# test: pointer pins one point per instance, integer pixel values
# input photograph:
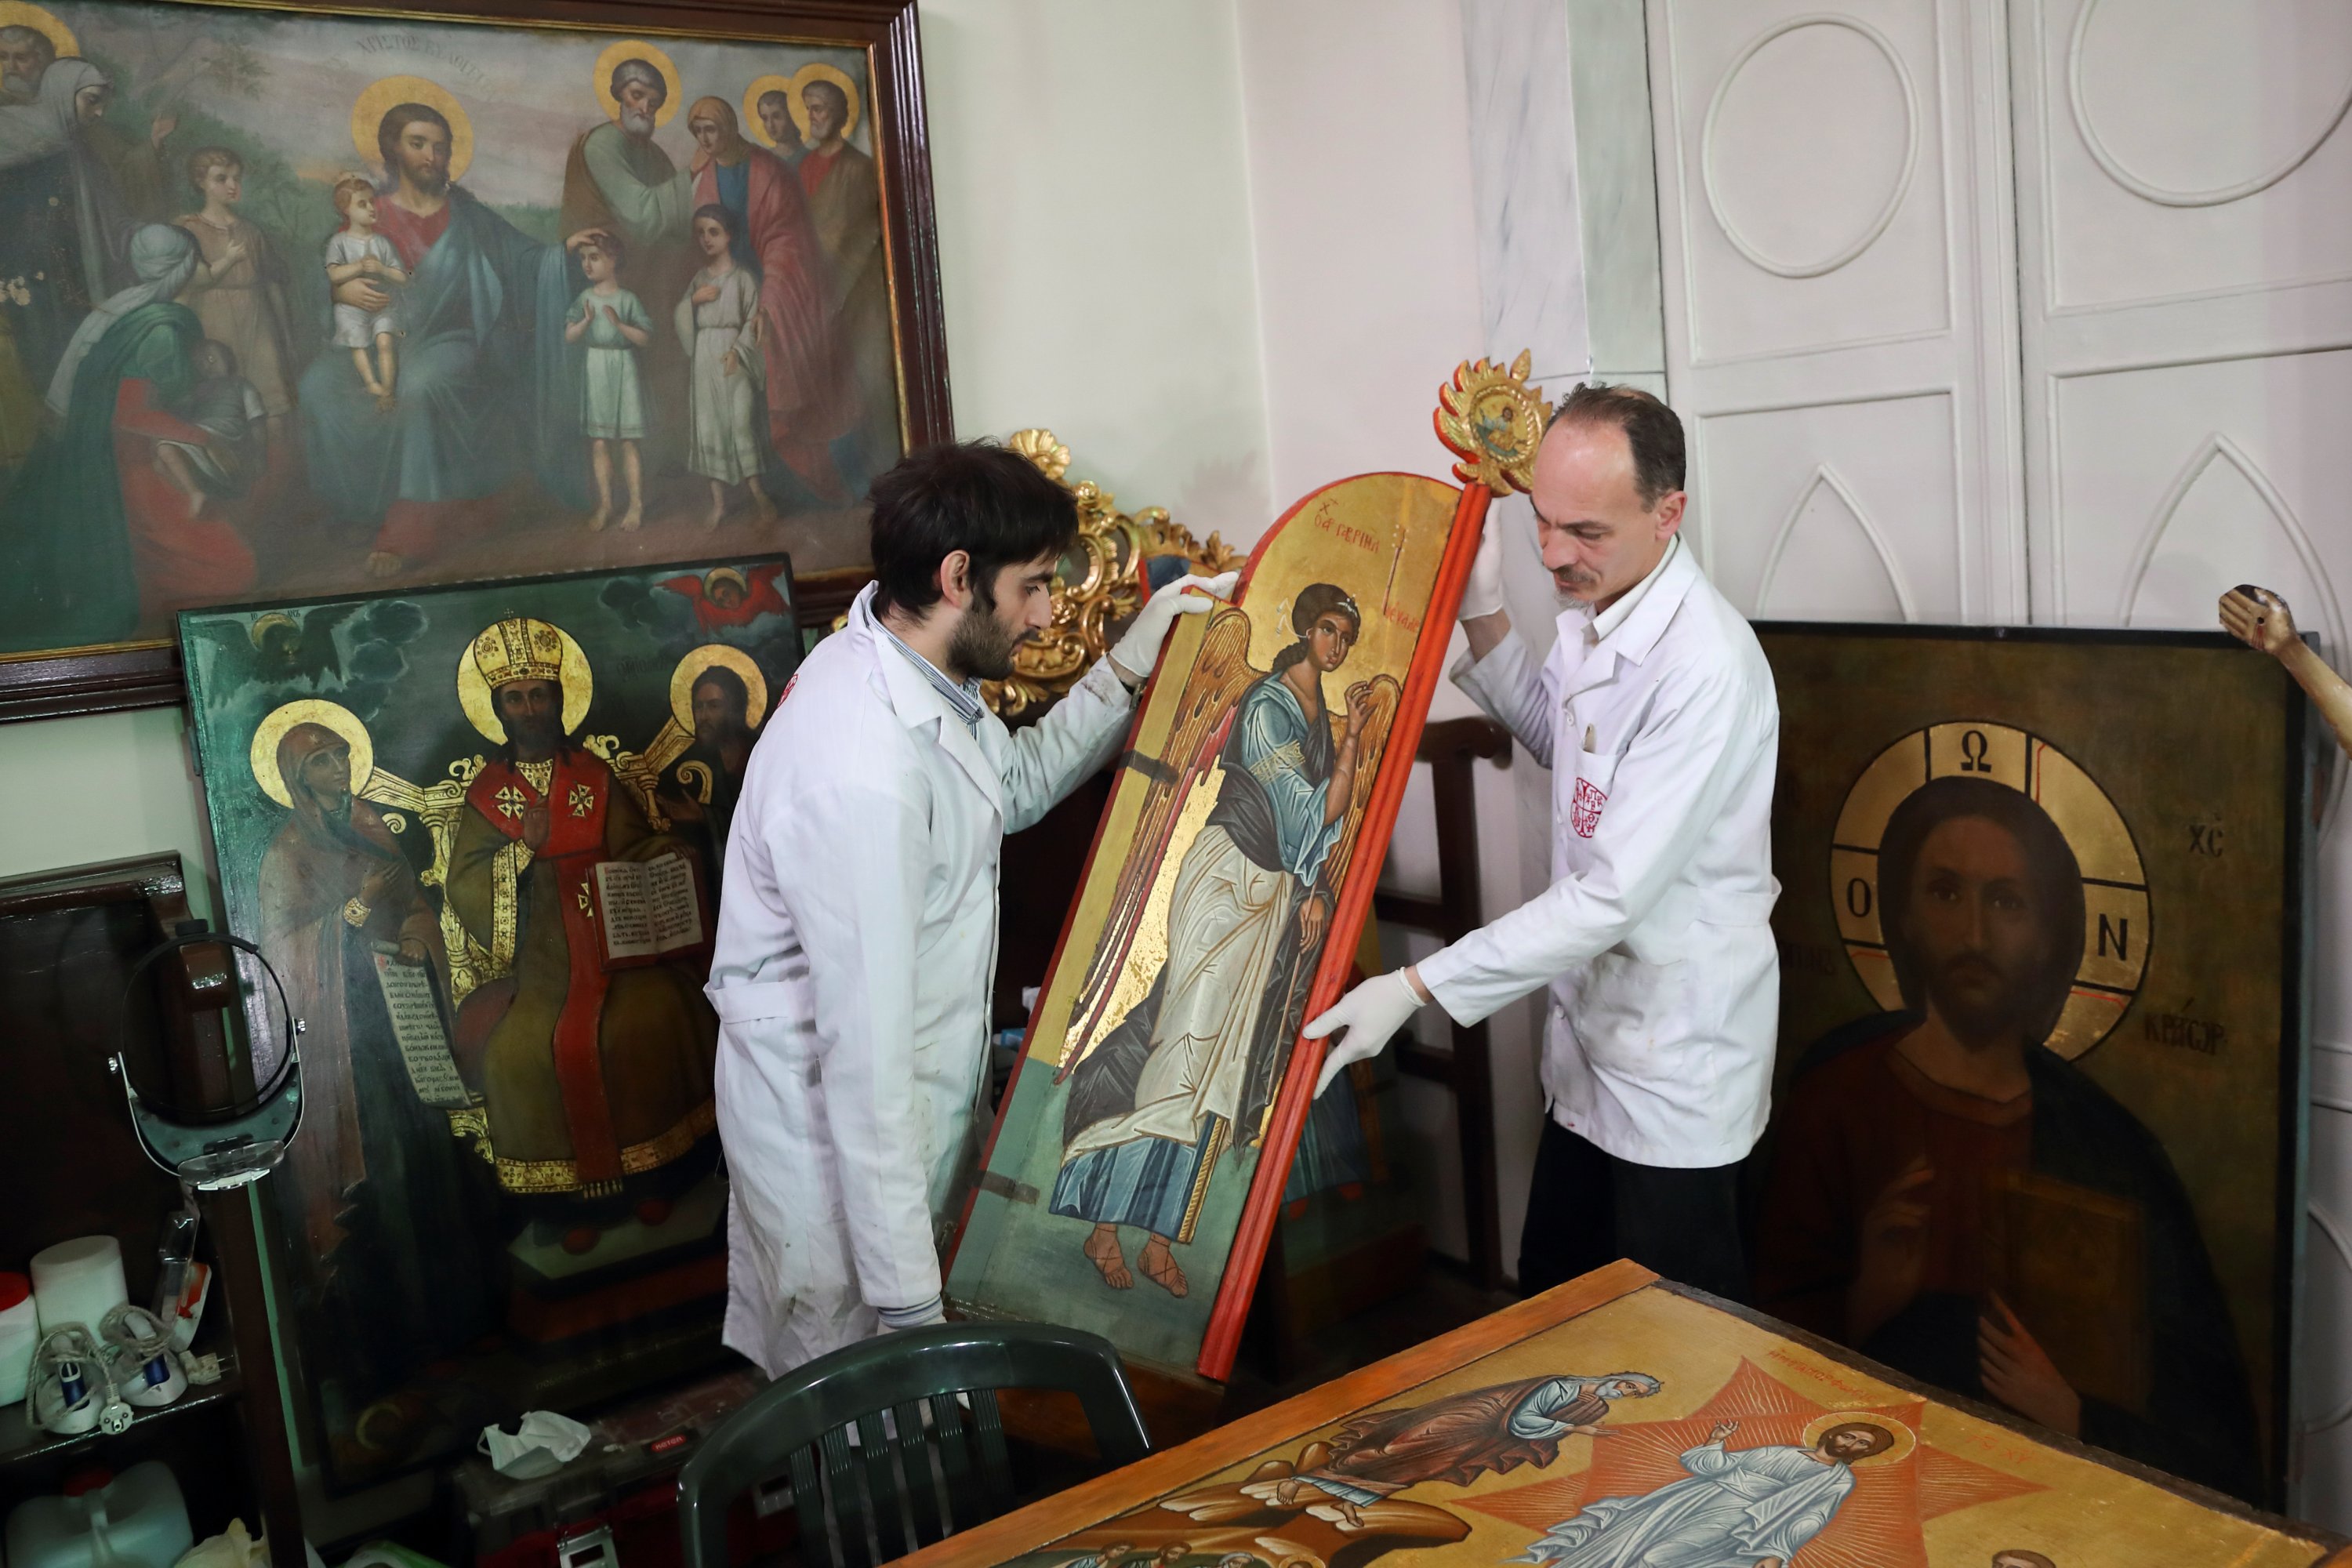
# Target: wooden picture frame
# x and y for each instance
(258, 80)
(1086, 1133)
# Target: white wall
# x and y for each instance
(1095, 238)
(1368, 223)
(107, 787)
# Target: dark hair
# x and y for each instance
(973, 496)
(399, 118)
(1651, 429)
(228, 355)
(2056, 878)
(840, 98)
(779, 96)
(2019, 1554)
(1314, 601)
(723, 215)
(611, 245)
(564, 746)
(633, 69)
(1882, 1438)
(728, 683)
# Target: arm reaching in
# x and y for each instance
(2260, 619)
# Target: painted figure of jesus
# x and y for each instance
(1743, 1508)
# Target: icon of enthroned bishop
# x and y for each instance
(592, 1079)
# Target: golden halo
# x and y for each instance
(689, 671)
(309, 711)
(2117, 923)
(820, 71)
(753, 125)
(368, 112)
(16, 14)
(473, 693)
(1905, 1438)
(637, 49)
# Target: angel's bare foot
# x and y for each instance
(717, 513)
(759, 499)
(633, 518)
(384, 564)
(1160, 1269)
(1102, 1250)
(597, 519)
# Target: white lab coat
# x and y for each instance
(1652, 937)
(856, 953)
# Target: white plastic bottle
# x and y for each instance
(136, 1521)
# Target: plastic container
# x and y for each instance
(19, 1329)
(136, 1521)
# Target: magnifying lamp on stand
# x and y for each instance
(219, 989)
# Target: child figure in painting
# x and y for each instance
(230, 411)
(238, 293)
(720, 324)
(614, 325)
(356, 250)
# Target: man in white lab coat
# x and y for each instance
(857, 944)
(1657, 716)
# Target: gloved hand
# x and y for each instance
(921, 1315)
(1139, 651)
(1483, 595)
(1371, 1013)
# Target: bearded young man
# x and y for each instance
(857, 944)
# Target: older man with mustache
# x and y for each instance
(1656, 712)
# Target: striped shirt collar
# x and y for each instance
(963, 702)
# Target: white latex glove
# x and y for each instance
(1483, 595)
(1139, 651)
(1371, 1013)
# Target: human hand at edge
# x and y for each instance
(1482, 595)
(1371, 1013)
(1139, 651)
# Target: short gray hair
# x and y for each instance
(631, 71)
(16, 33)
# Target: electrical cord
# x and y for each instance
(70, 1354)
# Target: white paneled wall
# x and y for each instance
(2001, 310)
(2185, 267)
(1829, 182)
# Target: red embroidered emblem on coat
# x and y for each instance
(1584, 809)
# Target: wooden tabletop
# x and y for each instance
(1556, 1423)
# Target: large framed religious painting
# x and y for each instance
(2038, 1125)
(479, 831)
(1145, 1145)
(1619, 1421)
(303, 303)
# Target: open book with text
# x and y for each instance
(649, 911)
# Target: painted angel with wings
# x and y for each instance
(1155, 1098)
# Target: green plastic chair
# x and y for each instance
(927, 1464)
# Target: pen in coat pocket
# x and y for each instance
(1590, 744)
